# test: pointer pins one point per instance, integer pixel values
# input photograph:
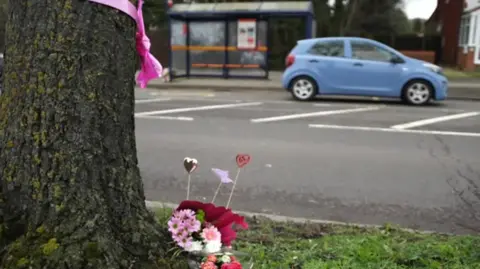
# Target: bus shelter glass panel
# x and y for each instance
(247, 62)
(178, 43)
(207, 48)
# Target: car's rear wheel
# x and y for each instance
(303, 88)
(417, 92)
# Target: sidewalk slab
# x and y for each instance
(218, 84)
(464, 84)
(458, 90)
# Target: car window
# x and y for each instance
(328, 48)
(367, 51)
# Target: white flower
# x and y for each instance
(196, 246)
(213, 246)
(225, 259)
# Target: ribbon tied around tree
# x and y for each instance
(150, 67)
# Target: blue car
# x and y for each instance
(360, 67)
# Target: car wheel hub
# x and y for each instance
(418, 93)
(303, 88)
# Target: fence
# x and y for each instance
(427, 48)
(411, 42)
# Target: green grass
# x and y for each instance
(276, 245)
(453, 73)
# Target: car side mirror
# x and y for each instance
(396, 60)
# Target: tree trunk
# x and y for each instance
(352, 7)
(71, 194)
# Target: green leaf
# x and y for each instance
(201, 216)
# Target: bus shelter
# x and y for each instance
(228, 40)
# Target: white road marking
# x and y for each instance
(434, 120)
(390, 130)
(397, 107)
(314, 114)
(193, 98)
(188, 93)
(145, 101)
(198, 108)
(165, 118)
(341, 105)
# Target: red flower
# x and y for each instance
(208, 265)
(212, 258)
(221, 217)
(232, 265)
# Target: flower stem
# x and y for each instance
(188, 186)
(233, 187)
(216, 192)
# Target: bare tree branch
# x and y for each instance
(352, 10)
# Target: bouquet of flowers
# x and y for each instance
(206, 231)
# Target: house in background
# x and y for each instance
(469, 36)
(458, 23)
(445, 21)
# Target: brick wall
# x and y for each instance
(466, 59)
(424, 55)
(450, 14)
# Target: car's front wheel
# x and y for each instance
(417, 92)
(303, 88)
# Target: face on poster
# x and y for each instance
(247, 34)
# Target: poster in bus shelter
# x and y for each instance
(246, 34)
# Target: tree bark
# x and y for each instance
(352, 7)
(71, 194)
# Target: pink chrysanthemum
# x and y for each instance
(192, 226)
(185, 242)
(174, 225)
(211, 234)
(180, 235)
(184, 214)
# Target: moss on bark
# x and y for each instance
(71, 194)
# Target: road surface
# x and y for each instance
(360, 161)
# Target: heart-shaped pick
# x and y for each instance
(242, 160)
(190, 164)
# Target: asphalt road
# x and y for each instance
(359, 161)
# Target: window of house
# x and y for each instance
(473, 38)
(366, 51)
(464, 31)
(329, 48)
(467, 30)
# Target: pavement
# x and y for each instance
(468, 89)
(350, 160)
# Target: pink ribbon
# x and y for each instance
(150, 67)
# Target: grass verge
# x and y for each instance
(277, 245)
(453, 73)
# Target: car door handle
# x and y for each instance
(313, 61)
(357, 64)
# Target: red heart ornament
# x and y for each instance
(242, 160)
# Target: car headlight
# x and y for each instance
(433, 68)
